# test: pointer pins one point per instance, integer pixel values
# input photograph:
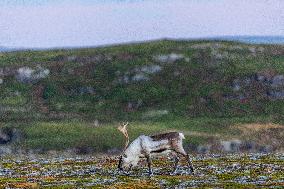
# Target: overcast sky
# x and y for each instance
(54, 23)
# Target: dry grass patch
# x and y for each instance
(256, 127)
(264, 134)
(202, 134)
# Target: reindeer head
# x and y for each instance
(127, 161)
(130, 154)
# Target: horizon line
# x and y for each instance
(232, 38)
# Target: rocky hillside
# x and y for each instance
(213, 91)
(199, 78)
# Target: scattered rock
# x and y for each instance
(6, 135)
(86, 90)
(140, 77)
(276, 94)
(142, 72)
(151, 69)
(96, 123)
(169, 58)
(155, 113)
(236, 85)
(7, 71)
(252, 50)
(260, 78)
(71, 58)
(6, 150)
(138, 74)
(277, 81)
(231, 146)
(261, 49)
(265, 149)
(247, 81)
(263, 84)
(1, 81)
(203, 149)
(248, 146)
(29, 75)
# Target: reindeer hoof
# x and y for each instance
(191, 170)
(173, 173)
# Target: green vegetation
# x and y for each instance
(157, 86)
(230, 171)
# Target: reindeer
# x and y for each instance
(147, 146)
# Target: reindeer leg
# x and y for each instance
(119, 164)
(175, 164)
(189, 163)
(130, 168)
(149, 165)
(183, 153)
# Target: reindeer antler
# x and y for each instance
(122, 128)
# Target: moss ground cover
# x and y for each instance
(226, 171)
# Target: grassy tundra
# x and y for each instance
(230, 171)
(73, 98)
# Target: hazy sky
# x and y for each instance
(54, 23)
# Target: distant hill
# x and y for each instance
(3, 49)
(9, 49)
(254, 39)
(60, 98)
(244, 39)
(183, 77)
